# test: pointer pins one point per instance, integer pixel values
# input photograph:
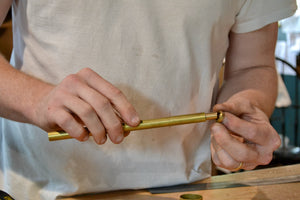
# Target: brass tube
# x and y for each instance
(155, 123)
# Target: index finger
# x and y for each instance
(258, 133)
(115, 96)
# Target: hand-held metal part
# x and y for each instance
(156, 123)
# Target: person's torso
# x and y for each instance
(164, 55)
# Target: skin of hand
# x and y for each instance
(247, 97)
(85, 98)
(245, 135)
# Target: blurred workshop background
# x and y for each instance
(285, 118)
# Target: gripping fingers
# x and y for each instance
(231, 151)
(67, 122)
(89, 118)
(221, 158)
(113, 94)
(100, 115)
(258, 134)
(86, 99)
(95, 110)
(109, 119)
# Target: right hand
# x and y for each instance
(86, 99)
(245, 137)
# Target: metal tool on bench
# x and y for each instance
(225, 184)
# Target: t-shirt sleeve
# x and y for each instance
(255, 14)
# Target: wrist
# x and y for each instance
(33, 112)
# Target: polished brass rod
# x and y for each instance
(156, 123)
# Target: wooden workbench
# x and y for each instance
(265, 192)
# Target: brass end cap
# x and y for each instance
(220, 116)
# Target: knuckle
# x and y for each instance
(64, 121)
(56, 101)
(58, 95)
(116, 93)
(267, 160)
(248, 105)
(86, 111)
(252, 133)
(85, 71)
(104, 104)
(71, 78)
(277, 143)
(229, 105)
(70, 81)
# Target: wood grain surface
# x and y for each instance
(265, 192)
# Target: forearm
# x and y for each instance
(19, 94)
(247, 97)
(255, 84)
(246, 135)
(250, 73)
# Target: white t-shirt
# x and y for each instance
(164, 55)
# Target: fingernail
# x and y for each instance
(135, 120)
(103, 140)
(119, 139)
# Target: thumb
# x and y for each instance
(235, 107)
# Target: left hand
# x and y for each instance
(245, 136)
